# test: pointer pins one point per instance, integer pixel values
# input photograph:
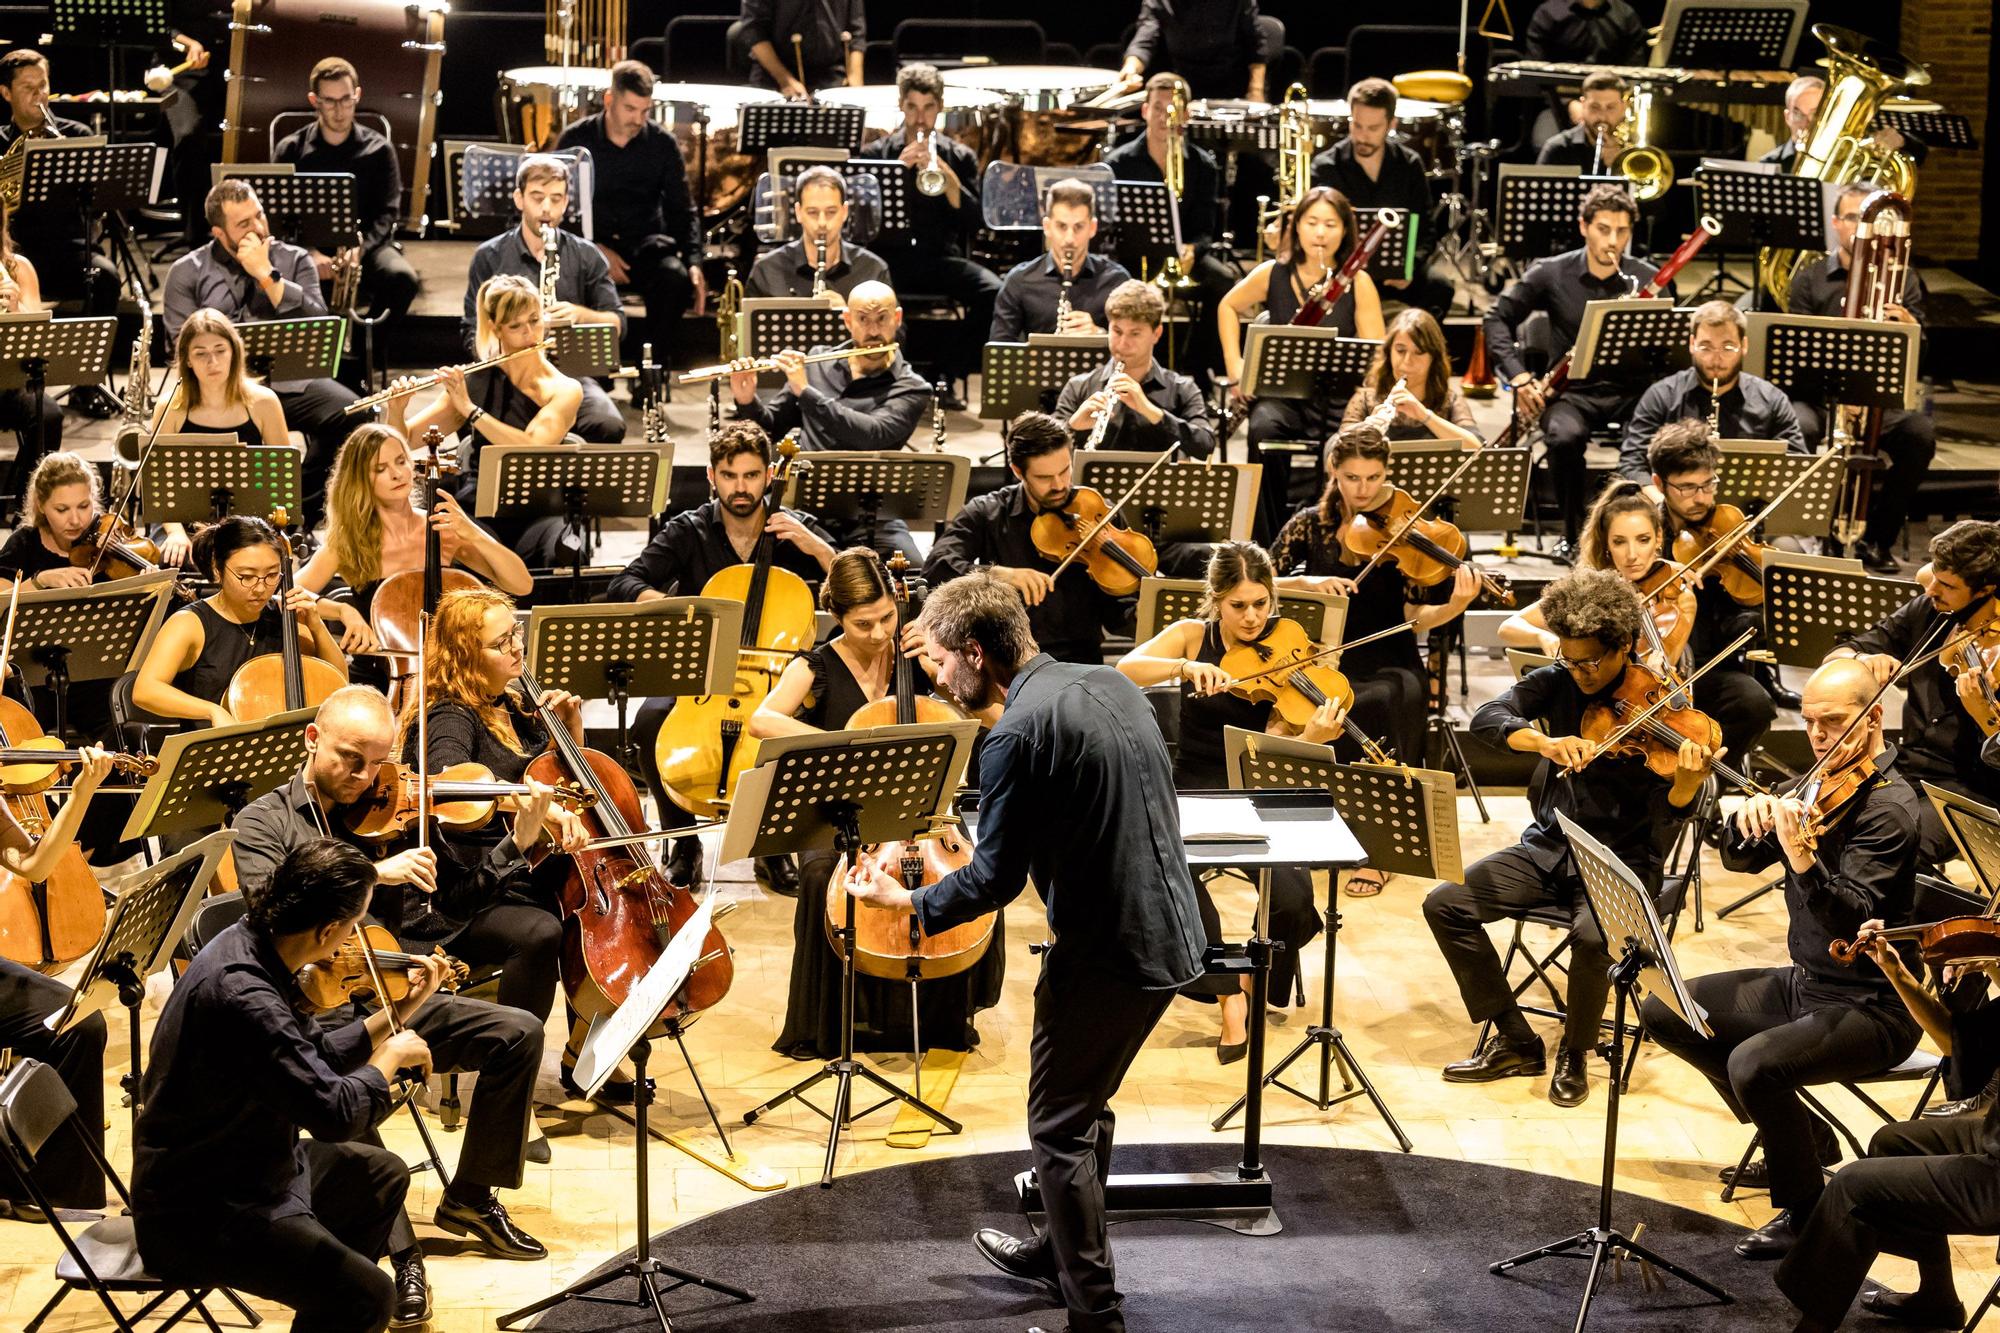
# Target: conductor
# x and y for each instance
(1078, 792)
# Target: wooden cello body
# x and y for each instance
(49, 926)
(403, 599)
(286, 680)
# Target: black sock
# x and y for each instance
(1513, 1028)
(472, 1196)
(401, 1257)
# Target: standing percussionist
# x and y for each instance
(648, 229)
(821, 253)
(1214, 44)
(1152, 407)
(1744, 406)
(1376, 169)
(1064, 290)
(1077, 793)
(335, 141)
(825, 36)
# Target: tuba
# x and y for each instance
(1295, 152)
(1838, 147)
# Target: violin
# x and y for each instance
(1954, 940)
(1427, 550)
(1739, 569)
(1084, 529)
(330, 984)
(1286, 668)
(404, 598)
(702, 747)
(1841, 781)
(1666, 629)
(27, 768)
(891, 944)
(111, 549)
(284, 681)
(462, 798)
(1971, 662)
(1646, 718)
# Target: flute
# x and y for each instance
(768, 363)
(427, 381)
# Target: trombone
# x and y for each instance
(428, 381)
(930, 181)
(764, 364)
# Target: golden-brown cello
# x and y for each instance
(405, 598)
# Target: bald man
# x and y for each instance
(1778, 1029)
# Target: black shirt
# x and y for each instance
(1751, 410)
(1130, 161)
(1975, 1060)
(1562, 285)
(1820, 288)
(1940, 742)
(1077, 792)
(235, 1073)
(993, 529)
(582, 275)
(1285, 292)
(1307, 545)
(27, 554)
(1200, 762)
(48, 233)
(936, 228)
(819, 22)
(1577, 147)
(1186, 422)
(1864, 867)
(838, 411)
(1210, 43)
(1402, 183)
(1610, 34)
(788, 271)
(1617, 800)
(692, 547)
(1031, 291)
(370, 159)
(637, 190)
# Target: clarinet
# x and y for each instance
(937, 417)
(1714, 411)
(1062, 300)
(551, 266)
(819, 268)
(1102, 425)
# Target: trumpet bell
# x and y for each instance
(930, 181)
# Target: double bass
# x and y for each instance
(403, 599)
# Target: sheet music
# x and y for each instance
(1219, 819)
(1441, 789)
(613, 1035)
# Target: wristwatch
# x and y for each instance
(273, 276)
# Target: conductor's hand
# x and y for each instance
(1032, 584)
(400, 1051)
(787, 528)
(869, 885)
(415, 866)
(1570, 752)
(1206, 677)
(743, 380)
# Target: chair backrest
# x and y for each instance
(33, 1106)
(1384, 50)
(1326, 73)
(696, 49)
(1002, 41)
(217, 913)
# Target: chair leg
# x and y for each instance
(1986, 1303)
(46, 1310)
(1819, 1108)
(1742, 1165)
(450, 1109)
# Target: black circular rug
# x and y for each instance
(1371, 1241)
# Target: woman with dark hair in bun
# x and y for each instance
(187, 670)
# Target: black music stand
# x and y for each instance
(37, 351)
(1304, 362)
(882, 187)
(846, 790)
(485, 181)
(1625, 914)
(665, 648)
(99, 181)
(310, 208)
(1394, 816)
(768, 325)
(1396, 257)
(858, 489)
(1149, 225)
(1761, 207)
(574, 483)
(1975, 828)
(1824, 359)
(583, 351)
(626, 1032)
(64, 635)
(1939, 129)
(201, 479)
(291, 350)
(765, 125)
(1322, 615)
(1738, 34)
(1753, 472)
(206, 777)
(1631, 339)
(1028, 377)
(1535, 210)
(1181, 502)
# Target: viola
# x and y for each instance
(1841, 780)
(619, 909)
(462, 798)
(1657, 739)
(1086, 530)
(1971, 662)
(330, 984)
(1740, 570)
(891, 944)
(284, 681)
(1427, 550)
(1957, 939)
(1285, 667)
(110, 548)
(404, 598)
(703, 747)
(1666, 627)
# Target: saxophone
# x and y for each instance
(551, 267)
(132, 422)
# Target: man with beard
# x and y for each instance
(1749, 408)
(1068, 615)
(1376, 170)
(1077, 793)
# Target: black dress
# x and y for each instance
(225, 646)
(1199, 765)
(946, 1006)
(1292, 418)
(243, 430)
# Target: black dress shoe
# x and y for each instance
(1977, 1104)
(1570, 1084)
(21, 1210)
(413, 1292)
(1757, 1175)
(92, 401)
(537, 1150)
(1767, 675)
(1019, 1259)
(1500, 1058)
(488, 1224)
(1877, 560)
(781, 875)
(1914, 1308)
(1773, 1240)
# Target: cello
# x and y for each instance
(618, 907)
(891, 944)
(703, 748)
(404, 599)
(284, 681)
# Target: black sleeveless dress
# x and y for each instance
(1285, 295)
(244, 430)
(225, 646)
(945, 1006)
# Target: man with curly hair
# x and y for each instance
(1616, 799)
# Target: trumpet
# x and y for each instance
(429, 381)
(768, 363)
(930, 181)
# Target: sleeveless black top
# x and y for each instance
(242, 430)
(225, 646)
(1198, 762)
(1283, 300)
(836, 693)
(491, 391)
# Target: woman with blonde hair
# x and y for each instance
(59, 504)
(215, 396)
(1408, 392)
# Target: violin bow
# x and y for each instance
(1667, 696)
(7, 639)
(1924, 654)
(1112, 512)
(1411, 522)
(1727, 542)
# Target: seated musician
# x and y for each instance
(820, 691)
(1592, 142)
(187, 669)
(1779, 1029)
(1924, 1180)
(1152, 406)
(216, 397)
(1375, 169)
(1803, 96)
(1317, 238)
(245, 275)
(820, 203)
(58, 506)
(831, 35)
(226, 1191)
(1408, 392)
(648, 228)
(1909, 437)
(1598, 270)
(1068, 614)
(1713, 387)
(1940, 743)
(930, 255)
(1617, 799)
(584, 291)
(64, 1170)
(1241, 602)
(1312, 553)
(337, 142)
(1216, 47)
(21, 294)
(1068, 280)
(1586, 32)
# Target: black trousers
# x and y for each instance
(388, 283)
(322, 1264)
(1909, 442)
(316, 408)
(64, 1170)
(598, 420)
(1391, 704)
(1073, 1070)
(662, 281)
(953, 346)
(525, 940)
(1774, 1033)
(1429, 289)
(1286, 419)
(1503, 886)
(71, 271)
(1295, 922)
(1741, 707)
(1566, 429)
(1922, 1182)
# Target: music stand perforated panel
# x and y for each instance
(101, 629)
(667, 648)
(90, 174)
(71, 351)
(1148, 220)
(309, 208)
(1812, 602)
(482, 181)
(1027, 377)
(1742, 34)
(583, 350)
(1976, 830)
(1396, 257)
(1630, 339)
(888, 181)
(1758, 206)
(1535, 210)
(199, 480)
(1303, 361)
(1939, 129)
(1821, 359)
(889, 774)
(306, 348)
(207, 776)
(1390, 812)
(104, 21)
(1624, 912)
(1490, 496)
(1323, 616)
(1181, 502)
(770, 324)
(847, 486)
(1754, 472)
(765, 125)
(535, 481)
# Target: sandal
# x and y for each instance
(1359, 887)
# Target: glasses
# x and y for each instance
(1585, 664)
(510, 643)
(1685, 489)
(1709, 349)
(1847, 217)
(254, 580)
(338, 103)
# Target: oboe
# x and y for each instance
(1714, 410)
(551, 266)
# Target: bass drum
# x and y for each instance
(1045, 125)
(976, 117)
(273, 45)
(704, 119)
(1419, 125)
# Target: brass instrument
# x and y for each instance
(346, 291)
(1171, 278)
(1102, 426)
(765, 364)
(819, 267)
(551, 267)
(11, 164)
(1648, 172)
(728, 309)
(423, 382)
(1295, 151)
(930, 180)
(138, 411)
(1876, 280)
(1839, 147)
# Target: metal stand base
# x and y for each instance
(1222, 1198)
